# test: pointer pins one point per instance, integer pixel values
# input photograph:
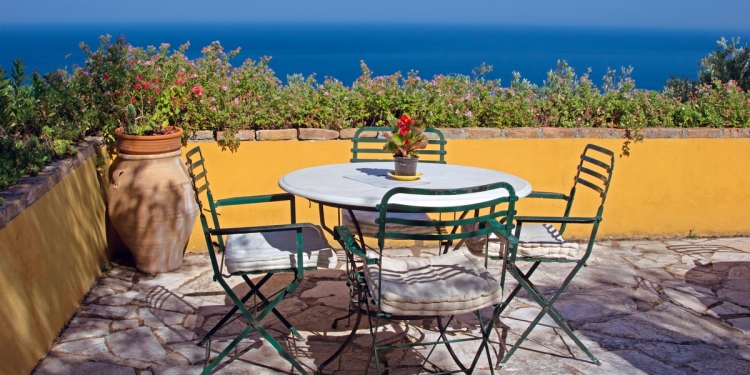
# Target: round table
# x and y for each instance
(336, 184)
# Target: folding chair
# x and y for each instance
(363, 222)
(420, 288)
(540, 242)
(260, 250)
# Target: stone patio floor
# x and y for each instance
(655, 307)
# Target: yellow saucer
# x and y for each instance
(404, 178)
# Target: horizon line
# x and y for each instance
(5, 24)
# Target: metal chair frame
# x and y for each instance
(584, 173)
(267, 304)
(361, 145)
(362, 300)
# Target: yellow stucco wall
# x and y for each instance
(51, 254)
(667, 187)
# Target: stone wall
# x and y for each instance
(305, 134)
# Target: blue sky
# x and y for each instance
(682, 14)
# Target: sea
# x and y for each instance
(335, 50)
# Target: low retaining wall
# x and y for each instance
(676, 182)
(53, 245)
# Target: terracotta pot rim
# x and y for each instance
(149, 144)
(119, 134)
(163, 155)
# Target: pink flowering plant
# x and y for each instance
(406, 139)
(157, 90)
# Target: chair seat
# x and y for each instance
(366, 221)
(536, 241)
(448, 284)
(277, 250)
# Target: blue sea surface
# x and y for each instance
(336, 49)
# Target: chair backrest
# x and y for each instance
(199, 178)
(366, 149)
(594, 173)
(486, 214)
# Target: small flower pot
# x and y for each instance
(405, 166)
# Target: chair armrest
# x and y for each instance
(547, 195)
(556, 219)
(254, 199)
(499, 231)
(265, 228)
(343, 235)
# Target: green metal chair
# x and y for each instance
(370, 149)
(540, 242)
(261, 250)
(420, 288)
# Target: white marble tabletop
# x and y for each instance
(327, 184)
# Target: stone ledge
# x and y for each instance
(484, 133)
(243, 135)
(522, 133)
(348, 133)
(311, 134)
(276, 135)
(202, 136)
(315, 134)
(29, 189)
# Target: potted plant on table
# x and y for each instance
(404, 142)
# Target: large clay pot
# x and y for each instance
(153, 208)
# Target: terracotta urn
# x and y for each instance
(151, 201)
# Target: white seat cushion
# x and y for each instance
(277, 250)
(366, 221)
(448, 284)
(537, 241)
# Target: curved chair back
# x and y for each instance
(367, 146)
(199, 177)
(595, 174)
(484, 221)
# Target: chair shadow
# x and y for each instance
(320, 341)
(730, 281)
(652, 330)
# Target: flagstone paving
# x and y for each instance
(642, 307)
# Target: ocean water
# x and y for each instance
(336, 50)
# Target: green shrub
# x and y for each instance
(39, 122)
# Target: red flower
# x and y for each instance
(133, 100)
(106, 75)
(139, 77)
(403, 131)
(138, 86)
(145, 86)
(406, 120)
(197, 90)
